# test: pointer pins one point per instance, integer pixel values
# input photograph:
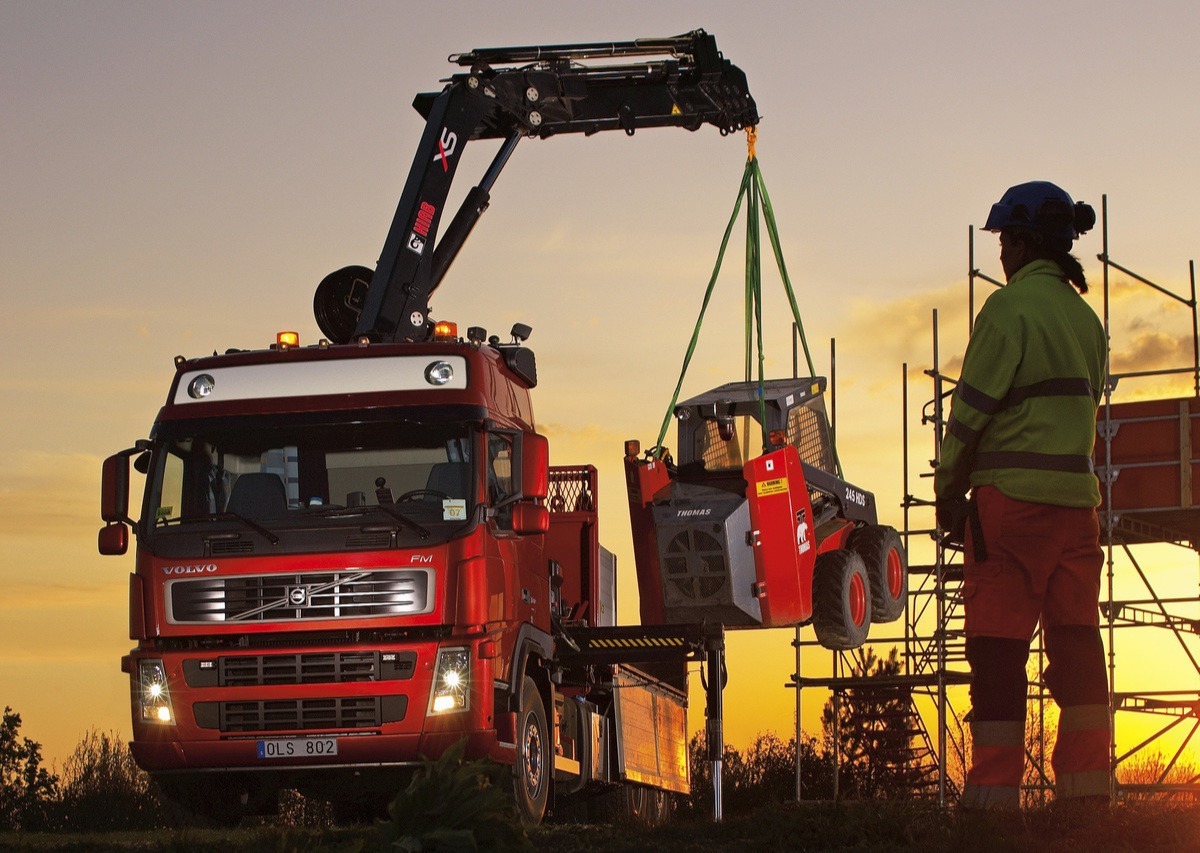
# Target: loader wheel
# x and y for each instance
(841, 600)
(531, 775)
(887, 568)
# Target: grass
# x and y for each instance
(863, 827)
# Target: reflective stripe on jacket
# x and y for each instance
(1023, 416)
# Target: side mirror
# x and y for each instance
(113, 539)
(529, 519)
(535, 466)
(114, 489)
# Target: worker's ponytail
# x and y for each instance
(1057, 249)
(1072, 269)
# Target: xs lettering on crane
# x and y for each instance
(446, 145)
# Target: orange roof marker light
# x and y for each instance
(444, 330)
(287, 340)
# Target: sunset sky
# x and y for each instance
(175, 178)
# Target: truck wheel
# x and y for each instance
(841, 600)
(887, 568)
(531, 775)
(631, 804)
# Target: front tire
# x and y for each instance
(841, 600)
(531, 775)
(887, 568)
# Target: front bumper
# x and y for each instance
(373, 703)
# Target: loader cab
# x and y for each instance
(720, 430)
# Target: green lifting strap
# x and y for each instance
(754, 190)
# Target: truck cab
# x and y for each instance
(340, 558)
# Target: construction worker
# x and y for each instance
(1020, 436)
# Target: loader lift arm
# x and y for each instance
(507, 94)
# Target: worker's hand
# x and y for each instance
(952, 519)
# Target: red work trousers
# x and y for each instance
(1037, 563)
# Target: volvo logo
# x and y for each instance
(204, 568)
(298, 596)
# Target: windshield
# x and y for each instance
(267, 475)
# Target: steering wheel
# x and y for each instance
(417, 494)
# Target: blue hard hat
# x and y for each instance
(1044, 207)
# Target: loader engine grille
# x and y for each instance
(694, 564)
(300, 596)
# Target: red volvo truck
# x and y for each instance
(354, 553)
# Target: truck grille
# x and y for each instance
(303, 668)
(302, 596)
(298, 669)
(332, 714)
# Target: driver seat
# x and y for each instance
(257, 495)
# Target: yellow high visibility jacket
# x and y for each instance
(1023, 415)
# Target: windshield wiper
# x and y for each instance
(390, 509)
(227, 516)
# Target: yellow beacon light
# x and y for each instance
(444, 330)
(287, 340)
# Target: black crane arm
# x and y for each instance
(510, 93)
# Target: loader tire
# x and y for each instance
(887, 568)
(531, 774)
(841, 600)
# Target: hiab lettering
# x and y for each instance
(424, 219)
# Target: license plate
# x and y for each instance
(297, 747)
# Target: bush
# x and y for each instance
(27, 791)
(102, 788)
(765, 773)
(454, 805)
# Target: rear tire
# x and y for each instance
(841, 600)
(887, 568)
(531, 775)
(631, 804)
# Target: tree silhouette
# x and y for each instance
(27, 790)
(874, 727)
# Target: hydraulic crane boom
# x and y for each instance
(508, 93)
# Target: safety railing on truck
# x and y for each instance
(572, 488)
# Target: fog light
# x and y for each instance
(154, 697)
(451, 681)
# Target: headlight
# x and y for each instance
(154, 698)
(439, 373)
(451, 681)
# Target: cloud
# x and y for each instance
(46, 494)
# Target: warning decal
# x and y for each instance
(772, 487)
